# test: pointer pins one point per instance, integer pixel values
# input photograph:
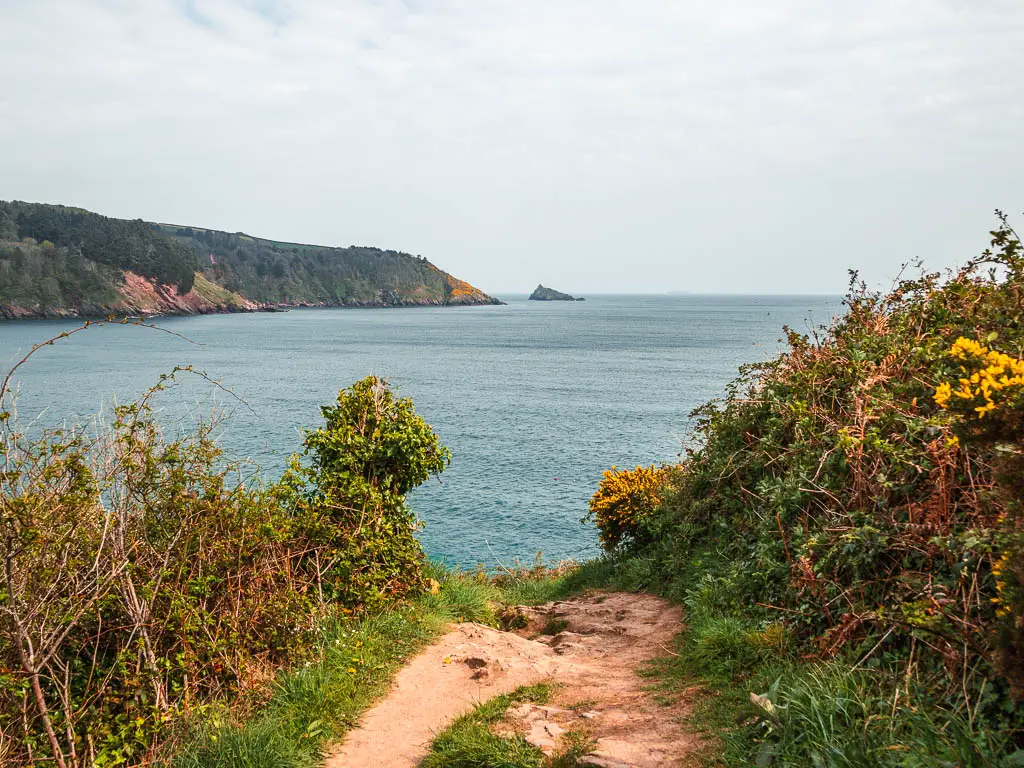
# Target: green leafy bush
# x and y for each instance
(143, 578)
(841, 503)
(350, 497)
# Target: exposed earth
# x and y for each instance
(592, 650)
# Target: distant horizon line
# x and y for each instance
(680, 294)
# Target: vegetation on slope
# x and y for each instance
(50, 278)
(56, 260)
(277, 272)
(144, 578)
(131, 246)
(856, 504)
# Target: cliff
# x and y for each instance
(57, 261)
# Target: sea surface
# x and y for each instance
(535, 399)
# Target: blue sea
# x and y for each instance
(535, 399)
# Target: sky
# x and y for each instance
(733, 146)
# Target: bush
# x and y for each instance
(848, 492)
(141, 581)
(143, 578)
(350, 498)
(624, 498)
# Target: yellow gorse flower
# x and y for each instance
(623, 499)
(994, 372)
(998, 569)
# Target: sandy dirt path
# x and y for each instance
(602, 640)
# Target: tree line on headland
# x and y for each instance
(62, 261)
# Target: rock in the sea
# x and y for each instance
(549, 294)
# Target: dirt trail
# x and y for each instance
(601, 641)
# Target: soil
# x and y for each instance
(601, 640)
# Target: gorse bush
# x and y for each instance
(989, 398)
(622, 501)
(863, 492)
(143, 578)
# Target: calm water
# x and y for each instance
(535, 399)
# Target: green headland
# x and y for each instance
(58, 261)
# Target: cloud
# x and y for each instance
(598, 145)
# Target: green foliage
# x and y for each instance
(54, 278)
(117, 243)
(140, 580)
(836, 511)
(55, 259)
(144, 579)
(350, 497)
(271, 271)
(811, 713)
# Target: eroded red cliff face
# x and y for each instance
(142, 295)
(138, 295)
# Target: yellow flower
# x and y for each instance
(983, 409)
(991, 375)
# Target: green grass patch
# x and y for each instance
(462, 597)
(540, 585)
(469, 742)
(312, 706)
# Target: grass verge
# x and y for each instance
(770, 707)
(312, 706)
(469, 743)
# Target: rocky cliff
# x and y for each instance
(541, 293)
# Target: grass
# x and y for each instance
(469, 742)
(540, 585)
(827, 714)
(312, 706)
(463, 597)
(215, 294)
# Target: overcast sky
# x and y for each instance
(737, 146)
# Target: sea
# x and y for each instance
(534, 399)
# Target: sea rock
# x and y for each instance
(549, 294)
